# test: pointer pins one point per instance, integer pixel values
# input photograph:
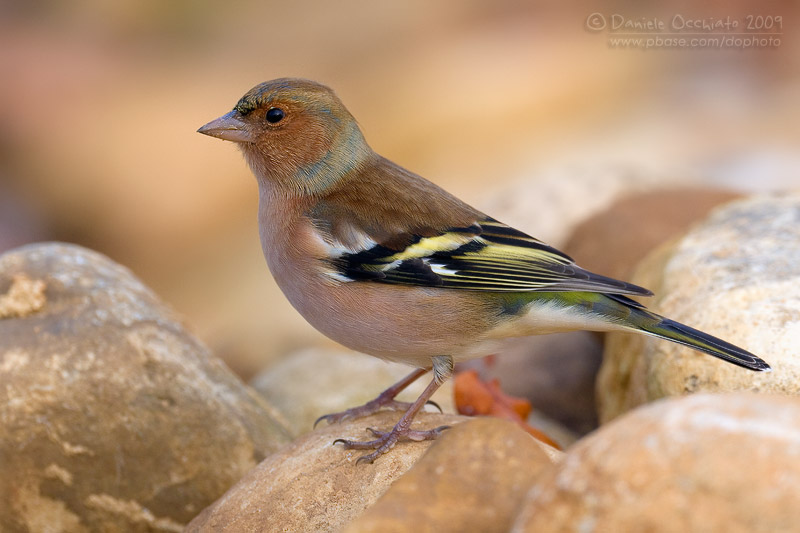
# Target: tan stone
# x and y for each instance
(614, 241)
(25, 296)
(473, 478)
(554, 430)
(550, 204)
(114, 417)
(314, 485)
(704, 463)
(314, 382)
(735, 276)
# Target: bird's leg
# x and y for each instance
(385, 400)
(385, 441)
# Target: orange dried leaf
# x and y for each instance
(472, 396)
(521, 406)
(476, 397)
(539, 435)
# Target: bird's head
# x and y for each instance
(295, 134)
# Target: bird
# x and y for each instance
(387, 263)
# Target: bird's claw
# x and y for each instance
(367, 409)
(386, 440)
(436, 405)
(331, 418)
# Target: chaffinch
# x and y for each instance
(387, 263)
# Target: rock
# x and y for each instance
(735, 276)
(114, 417)
(314, 485)
(561, 435)
(708, 462)
(473, 478)
(567, 196)
(555, 372)
(317, 381)
(614, 241)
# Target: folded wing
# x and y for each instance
(486, 256)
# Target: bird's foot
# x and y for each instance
(384, 401)
(368, 408)
(386, 440)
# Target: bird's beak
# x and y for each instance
(228, 127)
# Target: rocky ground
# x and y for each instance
(116, 418)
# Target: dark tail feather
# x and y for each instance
(669, 329)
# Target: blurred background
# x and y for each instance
(100, 101)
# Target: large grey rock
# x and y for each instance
(736, 276)
(114, 417)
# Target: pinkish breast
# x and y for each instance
(400, 323)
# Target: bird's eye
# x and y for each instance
(275, 115)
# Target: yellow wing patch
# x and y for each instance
(488, 257)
